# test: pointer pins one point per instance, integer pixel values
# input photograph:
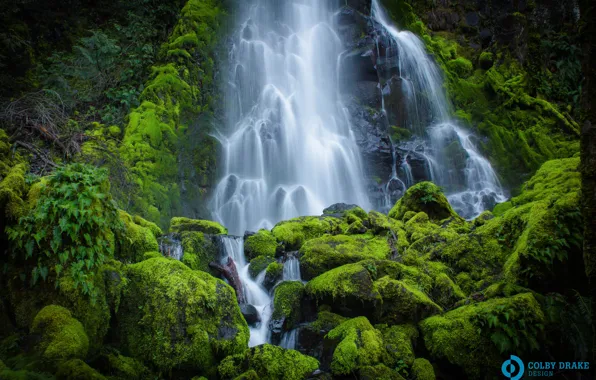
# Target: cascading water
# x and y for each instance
(291, 270)
(451, 158)
(289, 149)
(253, 291)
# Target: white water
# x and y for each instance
(471, 186)
(255, 294)
(288, 339)
(288, 149)
(291, 270)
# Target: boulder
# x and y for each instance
(426, 197)
(403, 302)
(199, 313)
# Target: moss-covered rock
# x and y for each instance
(199, 249)
(12, 193)
(137, 239)
(446, 293)
(273, 274)
(76, 369)
(286, 304)
(422, 370)
(120, 367)
(349, 290)
(513, 323)
(259, 264)
(199, 313)
(424, 197)
(379, 371)
(294, 232)
(327, 252)
(403, 302)
(269, 362)
(262, 243)
(359, 345)
(62, 336)
(398, 341)
(180, 224)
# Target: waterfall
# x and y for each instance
(255, 294)
(452, 159)
(291, 270)
(288, 339)
(288, 148)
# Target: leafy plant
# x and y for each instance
(511, 330)
(70, 231)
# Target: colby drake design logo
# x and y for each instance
(513, 368)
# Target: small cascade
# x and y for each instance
(291, 270)
(440, 151)
(288, 339)
(255, 294)
(170, 246)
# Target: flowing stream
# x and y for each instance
(452, 159)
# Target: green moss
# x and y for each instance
(262, 243)
(423, 197)
(152, 255)
(446, 293)
(172, 316)
(379, 371)
(7, 374)
(454, 335)
(348, 288)
(423, 370)
(360, 344)
(269, 362)
(295, 232)
(248, 375)
(199, 250)
(460, 66)
(327, 252)
(125, 368)
(403, 302)
(12, 191)
(259, 264)
(398, 341)
(137, 239)
(205, 226)
(62, 336)
(76, 369)
(486, 60)
(326, 321)
(273, 274)
(286, 303)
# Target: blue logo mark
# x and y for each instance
(513, 368)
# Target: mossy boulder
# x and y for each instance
(137, 239)
(286, 304)
(180, 224)
(199, 313)
(424, 197)
(13, 190)
(269, 362)
(294, 232)
(259, 264)
(515, 323)
(199, 249)
(359, 345)
(399, 343)
(379, 371)
(446, 292)
(262, 243)
(403, 302)
(422, 370)
(273, 274)
(349, 290)
(62, 336)
(120, 367)
(76, 369)
(331, 251)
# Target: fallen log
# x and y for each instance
(230, 273)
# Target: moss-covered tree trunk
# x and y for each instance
(588, 152)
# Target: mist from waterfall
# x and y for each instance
(288, 149)
(451, 158)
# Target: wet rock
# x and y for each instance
(250, 313)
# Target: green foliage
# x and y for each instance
(70, 232)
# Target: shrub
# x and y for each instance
(70, 230)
